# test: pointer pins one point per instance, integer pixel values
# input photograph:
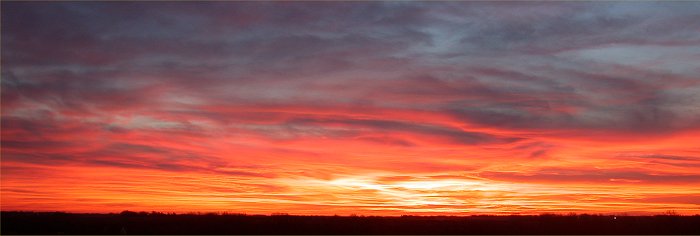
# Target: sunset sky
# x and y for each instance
(368, 108)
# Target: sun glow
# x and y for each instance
(437, 184)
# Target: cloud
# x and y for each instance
(687, 199)
(324, 107)
(593, 176)
(451, 134)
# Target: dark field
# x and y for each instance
(157, 223)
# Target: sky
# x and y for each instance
(367, 108)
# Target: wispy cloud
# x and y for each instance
(351, 107)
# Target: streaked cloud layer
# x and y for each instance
(384, 108)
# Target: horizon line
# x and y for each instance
(224, 213)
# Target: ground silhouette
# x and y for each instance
(129, 222)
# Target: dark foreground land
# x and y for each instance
(157, 223)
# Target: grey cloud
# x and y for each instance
(452, 134)
(493, 64)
